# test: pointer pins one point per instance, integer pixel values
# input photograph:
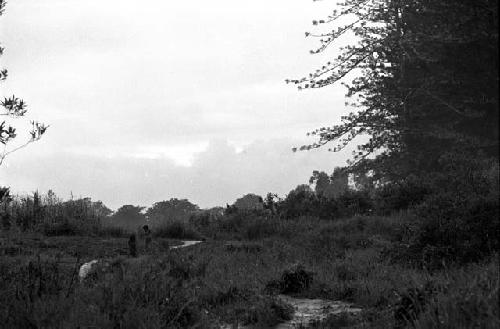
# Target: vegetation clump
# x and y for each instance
(294, 280)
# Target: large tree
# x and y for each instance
(171, 210)
(14, 107)
(425, 80)
(330, 187)
(129, 216)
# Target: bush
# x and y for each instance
(468, 298)
(410, 304)
(305, 203)
(67, 227)
(294, 280)
(112, 231)
(401, 195)
(449, 230)
(352, 203)
(259, 228)
(459, 230)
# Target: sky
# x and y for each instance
(158, 99)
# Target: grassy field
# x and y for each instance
(234, 278)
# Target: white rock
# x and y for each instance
(85, 269)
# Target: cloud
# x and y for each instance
(165, 99)
(217, 175)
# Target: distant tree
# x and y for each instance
(249, 201)
(363, 181)
(129, 216)
(271, 202)
(14, 107)
(339, 182)
(330, 187)
(171, 210)
(100, 209)
(300, 201)
(321, 181)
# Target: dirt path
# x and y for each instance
(186, 243)
(308, 310)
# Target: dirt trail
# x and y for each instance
(186, 243)
(308, 310)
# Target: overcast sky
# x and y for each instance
(149, 100)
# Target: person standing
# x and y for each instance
(147, 237)
(132, 246)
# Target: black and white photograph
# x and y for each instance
(264, 164)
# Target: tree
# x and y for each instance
(330, 187)
(129, 216)
(249, 201)
(300, 201)
(171, 210)
(14, 107)
(425, 81)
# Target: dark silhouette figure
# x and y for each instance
(147, 236)
(132, 246)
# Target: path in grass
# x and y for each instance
(186, 243)
(308, 311)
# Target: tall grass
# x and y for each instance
(53, 216)
(350, 259)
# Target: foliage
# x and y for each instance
(423, 81)
(330, 187)
(457, 230)
(457, 214)
(401, 195)
(292, 281)
(50, 214)
(326, 202)
(299, 202)
(171, 210)
(249, 201)
(209, 285)
(129, 216)
(14, 107)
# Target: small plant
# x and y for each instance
(292, 281)
(411, 303)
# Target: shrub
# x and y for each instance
(411, 303)
(468, 299)
(63, 228)
(352, 203)
(293, 280)
(401, 195)
(457, 229)
(259, 228)
(112, 231)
